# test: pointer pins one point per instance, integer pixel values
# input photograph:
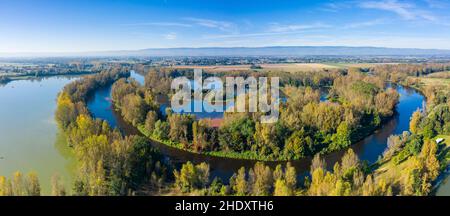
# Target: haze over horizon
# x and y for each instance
(84, 26)
(294, 51)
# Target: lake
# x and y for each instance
(29, 137)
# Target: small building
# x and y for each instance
(440, 140)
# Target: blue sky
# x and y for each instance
(97, 25)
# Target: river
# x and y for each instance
(368, 149)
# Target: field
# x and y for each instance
(441, 75)
(294, 67)
(218, 68)
(435, 81)
(297, 67)
(357, 65)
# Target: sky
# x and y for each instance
(104, 25)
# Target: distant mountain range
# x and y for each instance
(252, 51)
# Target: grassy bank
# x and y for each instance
(247, 155)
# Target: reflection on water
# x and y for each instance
(368, 149)
(29, 138)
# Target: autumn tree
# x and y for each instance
(239, 184)
(414, 124)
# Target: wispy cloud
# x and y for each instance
(407, 11)
(437, 4)
(217, 24)
(364, 24)
(334, 6)
(170, 36)
(276, 27)
(165, 24)
(249, 35)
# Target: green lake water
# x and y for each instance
(29, 137)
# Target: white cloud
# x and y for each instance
(437, 4)
(407, 11)
(335, 6)
(364, 24)
(221, 25)
(166, 24)
(170, 36)
(275, 27)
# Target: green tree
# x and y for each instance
(342, 138)
(161, 130)
(150, 121)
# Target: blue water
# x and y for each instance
(373, 146)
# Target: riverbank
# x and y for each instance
(248, 155)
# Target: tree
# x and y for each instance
(285, 183)
(120, 89)
(33, 188)
(18, 184)
(281, 189)
(431, 162)
(317, 163)
(57, 186)
(414, 124)
(290, 177)
(150, 121)
(350, 161)
(161, 130)
(261, 180)
(238, 183)
(278, 172)
(385, 102)
(237, 133)
(142, 161)
(342, 138)
(298, 145)
(134, 109)
(181, 128)
(192, 177)
(6, 188)
(66, 111)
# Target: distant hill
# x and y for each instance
(256, 51)
(291, 51)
